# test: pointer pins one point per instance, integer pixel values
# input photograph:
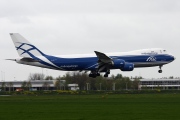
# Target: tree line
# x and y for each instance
(115, 82)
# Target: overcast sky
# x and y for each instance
(82, 26)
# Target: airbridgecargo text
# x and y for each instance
(69, 66)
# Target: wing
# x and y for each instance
(104, 61)
(103, 57)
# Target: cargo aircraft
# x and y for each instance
(95, 63)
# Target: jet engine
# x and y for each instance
(128, 67)
(118, 63)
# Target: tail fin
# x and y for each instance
(24, 47)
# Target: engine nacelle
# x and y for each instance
(118, 63)
(128, 67)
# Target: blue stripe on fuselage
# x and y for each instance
(90, 63)
(74, 63)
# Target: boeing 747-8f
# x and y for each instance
(95, 63)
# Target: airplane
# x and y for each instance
(95, 63)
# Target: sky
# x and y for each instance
(62, 27)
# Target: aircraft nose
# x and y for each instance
(173, 57)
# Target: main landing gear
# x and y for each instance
(94, 74)
(107, 73)
(160, 71)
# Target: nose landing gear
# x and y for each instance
(160, 71)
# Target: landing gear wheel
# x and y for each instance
(105, 75)
(108, 72)
(160, 71)
(98, 74)
(92, 75)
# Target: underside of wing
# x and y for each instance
(104, 61)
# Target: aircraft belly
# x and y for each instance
(149, 64)
(73, 66)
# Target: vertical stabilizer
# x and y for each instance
(24, 47)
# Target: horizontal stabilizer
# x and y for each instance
(11, 59)
(29, 60)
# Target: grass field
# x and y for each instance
(91, 107)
